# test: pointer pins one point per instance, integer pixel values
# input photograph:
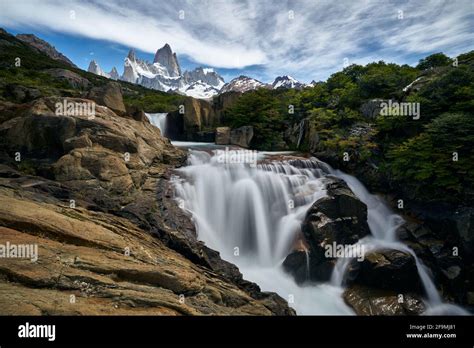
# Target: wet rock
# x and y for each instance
(386, 269)
(339, 218)
(371, 301)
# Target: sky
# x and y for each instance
(307, 39)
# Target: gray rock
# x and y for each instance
(73, 79)
(242, 136)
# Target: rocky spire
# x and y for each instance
(94, 68)
(131, 55)
(165, 57)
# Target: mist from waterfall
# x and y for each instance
(253, 216)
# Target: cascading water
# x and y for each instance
(159, 121)
(252, 216)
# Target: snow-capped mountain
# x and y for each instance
(164, 74)
(96, 69)
(287, 82)
(243, 84)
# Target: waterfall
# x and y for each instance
(253, 215)
(159, 121)
(383, 224)
(301, 132)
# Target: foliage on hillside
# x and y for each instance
(31, 74)
(414, 155)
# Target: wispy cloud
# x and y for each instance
(305, 38)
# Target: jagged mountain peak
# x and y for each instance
(132, 55)
(286, 81)
(95, 68)
(168, 59)
(242, 84)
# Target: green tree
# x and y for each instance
(434, 60)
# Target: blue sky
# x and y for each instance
(307, 39)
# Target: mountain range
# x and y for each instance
(165, 74)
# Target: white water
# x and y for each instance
(253, 215)
(159, 121)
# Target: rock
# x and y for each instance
(21, 94)
(372, 108)
(107, 151)
(241, 136)
(297, 263)
(77, 142)
(339, 218)
(137, 114)
(44, 47)
(370, 301)
(109, 95)
(198, 115)
(437, 251)
(100, 204)
(386, 269)
(464, 218)
(222, 135)
(166, 58)
(108, 264)
(206, 137)
(73, 79)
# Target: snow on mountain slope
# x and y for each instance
(287, 82)
(164, 74)
(96, 69)
(243, 84)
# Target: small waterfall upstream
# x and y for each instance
(252, 216)
(159, 121)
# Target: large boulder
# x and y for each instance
(106, 263)
(241, 136)
(198, 115)
(107, 151)
(21, 94)
(339, 218)
(222, 135)
(386, 269)
(73, 79)
(371, 301)
(110, 96)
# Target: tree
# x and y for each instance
(434, 60)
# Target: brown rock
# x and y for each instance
(109, 95)
(222, 135)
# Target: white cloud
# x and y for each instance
(239, 33)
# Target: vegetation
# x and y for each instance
(415, 155)
(31, 73)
